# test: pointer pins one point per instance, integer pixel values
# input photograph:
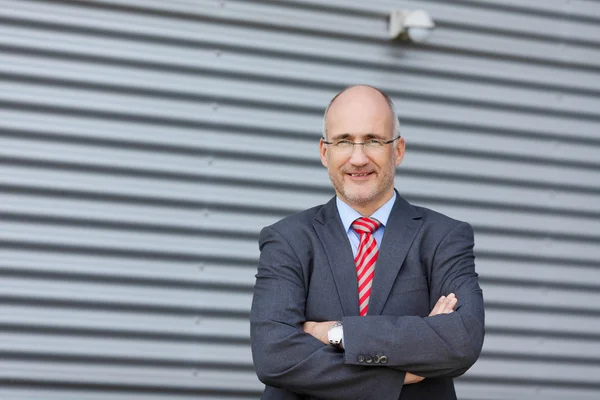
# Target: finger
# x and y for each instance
(453, 303)
(441, 305)
(449, 306)
(450, 302)
(437, 306)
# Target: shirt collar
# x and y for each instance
(348, 214)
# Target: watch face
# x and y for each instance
(335, 334)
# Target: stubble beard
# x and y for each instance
(356, 195)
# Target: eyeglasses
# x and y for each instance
(374, 145)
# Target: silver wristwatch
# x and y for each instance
(335, 334)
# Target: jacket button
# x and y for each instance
(368, 359)
(383, 359)
(376, 359)
(361, 358)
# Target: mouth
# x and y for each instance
(362, 175)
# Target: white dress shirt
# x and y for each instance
(348, 215)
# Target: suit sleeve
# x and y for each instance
(284, 355)
(439, 346)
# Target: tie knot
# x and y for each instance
(365, 225)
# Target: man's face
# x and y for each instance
(362, 177)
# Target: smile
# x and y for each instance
(363, 175)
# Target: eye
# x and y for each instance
(374, 142)
(344, 143)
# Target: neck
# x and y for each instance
(367, 209)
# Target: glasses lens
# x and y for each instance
(344, 144)
(373, 144)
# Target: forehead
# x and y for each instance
(359, 113)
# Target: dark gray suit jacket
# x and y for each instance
(307, 273)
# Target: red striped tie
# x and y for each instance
(365, 259)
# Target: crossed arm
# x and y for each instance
(444, 305)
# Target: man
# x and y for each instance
(367, 296)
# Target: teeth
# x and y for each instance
(359, 174)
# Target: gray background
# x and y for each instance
(143, 144)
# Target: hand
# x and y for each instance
(318, 329)
(412, 378)
(445, 305)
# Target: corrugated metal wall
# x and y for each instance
(144, 143)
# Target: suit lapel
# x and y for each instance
(330, 231)
(400, 232)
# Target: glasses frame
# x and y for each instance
(362, 143)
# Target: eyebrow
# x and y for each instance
(341, 136)
(349, 135)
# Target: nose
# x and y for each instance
(358, 156)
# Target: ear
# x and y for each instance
(323, 152)
(399, 150)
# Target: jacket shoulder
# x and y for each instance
(440, 221)
(296, 222)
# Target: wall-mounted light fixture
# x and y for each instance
(410, 25)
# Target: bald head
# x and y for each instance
(358, 104)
